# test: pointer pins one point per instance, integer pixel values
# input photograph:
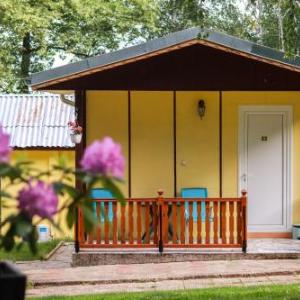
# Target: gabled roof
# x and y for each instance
(36, 120)
(160, 45)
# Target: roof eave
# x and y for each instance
(166, 44)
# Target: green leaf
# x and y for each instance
(69, 179)
(8, 242)
(9, 171)
(89, 179)
(70, 217)
(55, 225)
(20, 245)
(23, 163)
(88, 216)
(4, 170)
(62, 188)
(4, 194)
(23, 228)
(71, 190)
(32, 240)
(62, 161)
(110, 185)
(58, 187)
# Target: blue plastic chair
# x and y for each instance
(194, 193)
(101, 193)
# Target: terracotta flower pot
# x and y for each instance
(12, 282)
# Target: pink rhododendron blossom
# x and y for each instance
(39, 199)
(5, 149)
(104, 157)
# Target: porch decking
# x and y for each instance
(257, 249)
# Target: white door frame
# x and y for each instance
(287, 112)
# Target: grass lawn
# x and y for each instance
(261, 292)
(25, 254)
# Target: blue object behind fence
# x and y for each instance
(103, 194)
(194, 193)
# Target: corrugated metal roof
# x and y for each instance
(36, 120)
(79, 68)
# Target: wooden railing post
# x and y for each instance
(244, 214)
(160, 203)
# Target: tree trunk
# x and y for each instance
(25, 63)
(260, 21)
(279, 14)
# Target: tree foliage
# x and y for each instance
(33, 33)
(24, 29)
(277, 23)
(175, 15)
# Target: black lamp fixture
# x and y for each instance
(201, 108)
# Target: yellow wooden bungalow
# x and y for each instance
(201, 116)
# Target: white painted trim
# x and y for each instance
(287, 112)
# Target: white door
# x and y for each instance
(264, 166)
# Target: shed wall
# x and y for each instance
(43, 160)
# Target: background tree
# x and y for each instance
(24, 30)
(91, 27)
(175, 15)
(277, 23)
(226, 16)
(33, 33)
(233, 19)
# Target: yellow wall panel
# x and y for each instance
(107, 115)
(152, 145)
(198, 142)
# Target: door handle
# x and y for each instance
(244, 177)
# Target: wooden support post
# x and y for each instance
(139, 223)
(244, 224)
(160, 202)
(155, 222)
(79, 149)
(115, 223)
(174, 220)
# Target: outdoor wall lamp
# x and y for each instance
(201, 108)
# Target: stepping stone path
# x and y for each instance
(57, 277)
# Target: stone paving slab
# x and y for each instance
(160, 285)
(167, 276)
(273, 246)
(62, 258)
(168, 271)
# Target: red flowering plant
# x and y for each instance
(74, 127)
(75, 132)
(36, 200)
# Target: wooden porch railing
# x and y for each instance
(167, 222)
